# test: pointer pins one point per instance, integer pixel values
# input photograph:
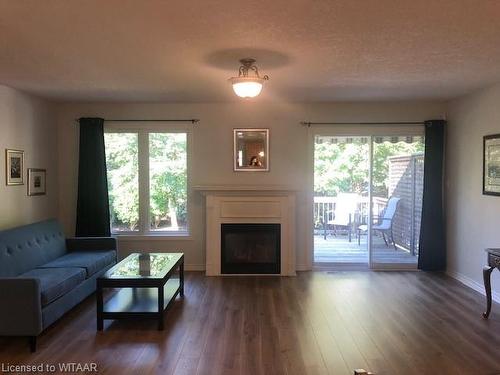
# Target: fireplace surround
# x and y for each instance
(249, 205)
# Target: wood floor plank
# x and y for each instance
(367, 346)
(312, 307)
(316, 323)
(406, 316)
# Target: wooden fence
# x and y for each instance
(406, 181)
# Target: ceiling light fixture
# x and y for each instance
(245, 85)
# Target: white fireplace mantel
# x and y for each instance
(251, 189)
(249, 204)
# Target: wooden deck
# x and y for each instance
(339, 250)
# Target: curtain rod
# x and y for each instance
(308, 124)
(191, 120)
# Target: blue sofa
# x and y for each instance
(43, 275)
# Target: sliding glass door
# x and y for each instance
(368, 199)
(396, 198)
(341, 187)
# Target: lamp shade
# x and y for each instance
(247, 87)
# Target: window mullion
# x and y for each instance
(144, 181)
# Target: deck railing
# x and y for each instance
(324, 208)
(405, 235)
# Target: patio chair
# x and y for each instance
(385, 221)
(345, 208)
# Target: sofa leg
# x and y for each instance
(33, 344)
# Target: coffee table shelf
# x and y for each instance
(140, 300)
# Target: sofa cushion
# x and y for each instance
(55, 282)
(24, 248)
(91, 261)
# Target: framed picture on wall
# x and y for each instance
(14, 167)
(491, 164)
(36, 181)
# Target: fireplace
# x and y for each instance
(249, 248)
(249, 205)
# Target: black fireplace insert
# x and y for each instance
(250, 248)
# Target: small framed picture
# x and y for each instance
(14, 167)
(36, 181)
(491, 164)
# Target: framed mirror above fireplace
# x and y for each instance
(251, 150)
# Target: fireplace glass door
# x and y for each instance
(250, 248)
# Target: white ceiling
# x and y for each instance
(314, 50)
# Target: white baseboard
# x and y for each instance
(302, 267)
(201, 267)
(478, 287)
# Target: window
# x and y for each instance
(123, 180)
(147, 181)
(167, 181)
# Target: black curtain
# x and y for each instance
(432, 245)
(92, 214)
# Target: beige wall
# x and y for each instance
(473, 218)
(27, 123)
(212, 153)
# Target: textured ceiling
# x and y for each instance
(314, 50)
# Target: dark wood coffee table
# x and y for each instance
(148, 285)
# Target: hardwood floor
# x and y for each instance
(315, 323)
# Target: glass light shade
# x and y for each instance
(247, 87)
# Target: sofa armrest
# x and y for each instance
(21, 311)
(91, 243)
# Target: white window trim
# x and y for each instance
(143, 129)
